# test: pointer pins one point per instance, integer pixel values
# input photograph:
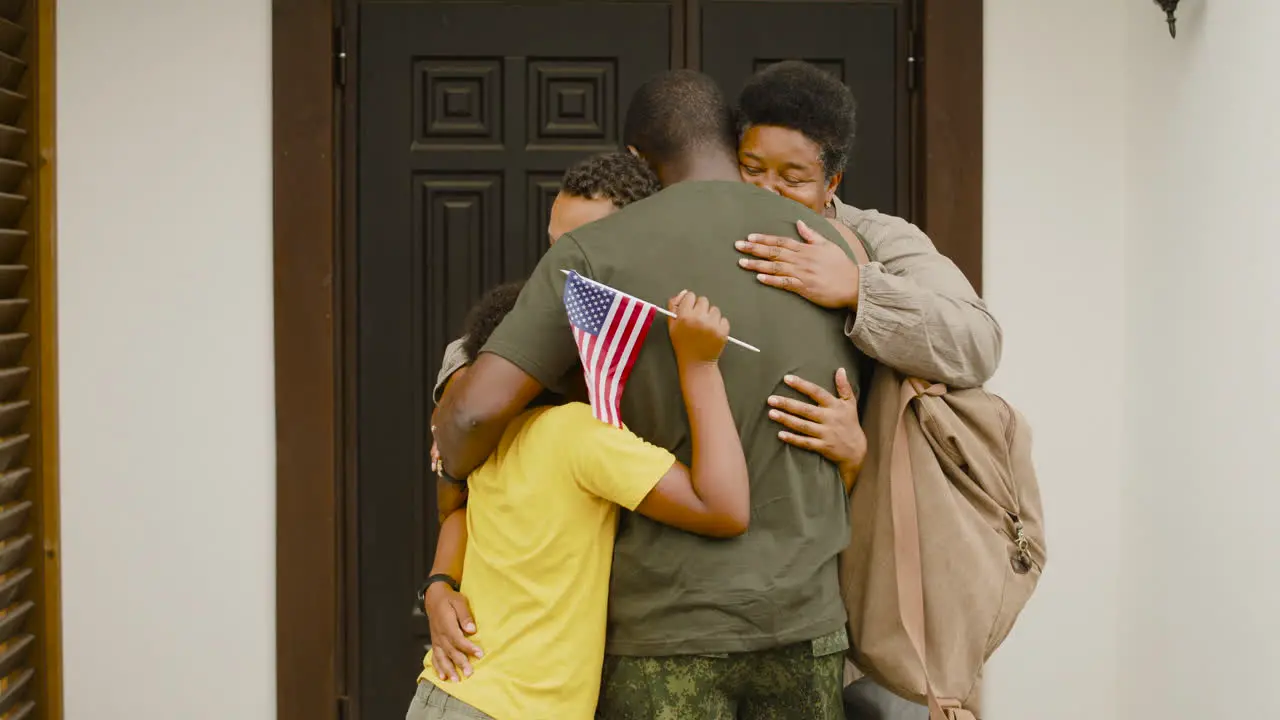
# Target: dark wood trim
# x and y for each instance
(951, 191)
(314, 306)
(49, 565)
(306, 351)
(692, 29)
(349, 593)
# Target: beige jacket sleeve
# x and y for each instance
(453, 361)
(917, 313)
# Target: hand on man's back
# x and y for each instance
(813, 267)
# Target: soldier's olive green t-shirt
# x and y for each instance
(672, 592)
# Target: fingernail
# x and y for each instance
(470, 627)
(774, 414)
(801, 224)
(740, 245)
(754, 237)
(773, 399)
(742, 262)
(479, 653)
(790, 378)
(466, 673)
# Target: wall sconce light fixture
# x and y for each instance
(1170, 7)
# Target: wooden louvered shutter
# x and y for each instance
(30, 684)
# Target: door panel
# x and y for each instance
(862, 43)
(467, 120)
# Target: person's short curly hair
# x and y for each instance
(485, 316)
(799, 96)
(620, 177)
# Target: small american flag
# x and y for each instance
(609, 327)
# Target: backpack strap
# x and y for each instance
(908, 567)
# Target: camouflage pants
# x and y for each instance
(795, 682)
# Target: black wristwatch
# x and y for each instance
(451, 479)
(438, 577)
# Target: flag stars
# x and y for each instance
(588, 305)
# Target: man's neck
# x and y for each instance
(703, 165)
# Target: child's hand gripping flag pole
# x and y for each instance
(609, 327)
(662, 310)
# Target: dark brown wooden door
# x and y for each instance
(468, 114)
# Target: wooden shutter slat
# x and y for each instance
(11, 242)
(12, 517)
(13, 651)
(11, 312)
(12, 584)
(13, 550)
(11, 619)
(12, 483)
(20, 712)
(11, 347)
(12, 173)
(11, 208)
(13, 687)
(12, 70)
(12, 448)
(12, 414)
(11, 277)
(11, 106)
(12, 37)
(12, 140)
(11, 381)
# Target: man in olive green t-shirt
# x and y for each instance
(749, 628)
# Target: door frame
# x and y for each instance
(314, 290)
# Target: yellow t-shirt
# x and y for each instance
(541, 520)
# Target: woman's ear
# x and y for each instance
(634, 152)
(832, 183)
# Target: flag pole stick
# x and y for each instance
(661, 309)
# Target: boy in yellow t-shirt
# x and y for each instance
(540, 523)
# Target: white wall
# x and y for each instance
(1202, 584)
(1054, 272)
(1130, 200)
(167, 407)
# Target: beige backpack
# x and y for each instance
(947, 540)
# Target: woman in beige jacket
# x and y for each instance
(911, 308)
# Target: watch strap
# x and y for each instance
(449, 478)
(438, 577)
